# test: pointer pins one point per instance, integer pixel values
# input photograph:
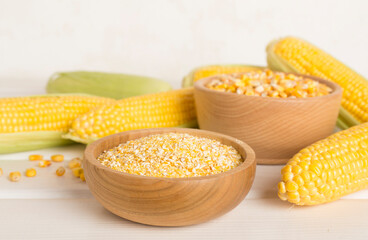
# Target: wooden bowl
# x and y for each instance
(275, 128)
(167, 201)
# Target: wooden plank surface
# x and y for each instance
(252, 219)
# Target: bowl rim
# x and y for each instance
(249, 160)
(336, 89)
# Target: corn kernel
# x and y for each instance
(35, 157)
(1, 172)
(324, 189)
(304, 165)
(291, 186)
(318, 182)
(287, 176)
(313, 176)
(293, 196)
(282, 196)
(267, 83)
(44, 163)
(306, 199)
(298, 180)
(14, 176)
(286, 169)
(77, 172)
(303, 191)
(306, 177)
(82, 177)
(309, 185)
(296, 169)
(75, 163)
(57, 158)
(281, 187)
(31, 172)
(315, 168)
(60, 171)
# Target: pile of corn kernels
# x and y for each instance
(267, 83)
(172, 155)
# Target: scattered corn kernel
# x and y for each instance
(171, 155)
(77, 172)
(1, 172)
(14, 176)
(60, 171)
(57, 158)
(267, 83)
(44, 163)
(75, 163)
(82, 177)
(31, 172)
(35, 157)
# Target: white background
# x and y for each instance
(165, 39)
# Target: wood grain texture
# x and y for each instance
(168, 201)
(85, 219)
(275, 128)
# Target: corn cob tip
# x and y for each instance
(328, 169)
(167, 109)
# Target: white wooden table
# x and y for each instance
(51, 207)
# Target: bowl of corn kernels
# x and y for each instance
(276, 113)
(169, 176)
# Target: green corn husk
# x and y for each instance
(113, 85)
(27, 141)
(188, 80)
(345, 119)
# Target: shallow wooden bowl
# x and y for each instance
(275, 128)
(168, 201)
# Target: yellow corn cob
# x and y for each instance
(295, 55)
(28, 123)
(328, 169)
(113, 85)
(207, 71)
(168, 109)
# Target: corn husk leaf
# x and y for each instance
(113, 85)
(27, 141)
